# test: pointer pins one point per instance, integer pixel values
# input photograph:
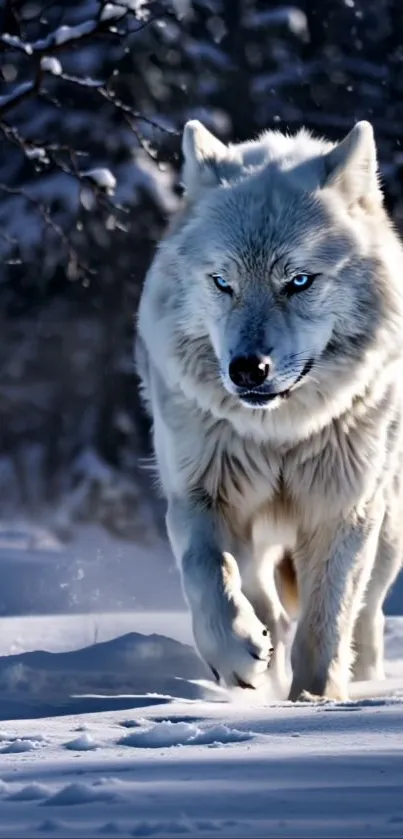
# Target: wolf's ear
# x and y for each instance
(202, 154)
(351, 166)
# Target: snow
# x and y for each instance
(172, 733)
(83, 743)
(102, 178)
(62, 35)
(112, 11)
(91, 572)
(70, 33)
(30, 792)
(19, 745)
(128, 737)
(14, 41)
(138, 7)
(291, 16)
(110, 725)
(51, 65)
(35, 153)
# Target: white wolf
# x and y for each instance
(270, 348)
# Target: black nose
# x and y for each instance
(248, 371)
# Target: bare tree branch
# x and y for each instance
(39, 62)
(20, 93)
(62, 38)
(49, 221)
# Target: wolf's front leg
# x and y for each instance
(259, 585)
(228, 634)
(369, 628)
(333, 567)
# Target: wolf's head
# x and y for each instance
(278, 257)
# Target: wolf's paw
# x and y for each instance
(233, 642)
(333, 692)
(311, 698)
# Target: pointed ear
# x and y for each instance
(351, 166)
(202, 154)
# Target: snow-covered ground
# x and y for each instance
(110, 727)
(93, 572)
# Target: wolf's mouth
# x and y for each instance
(260, 398)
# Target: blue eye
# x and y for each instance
(300, 283)
(221, 283)
(301, 280)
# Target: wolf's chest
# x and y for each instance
(246, 477)
(236, 473)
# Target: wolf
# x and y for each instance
(270, 353)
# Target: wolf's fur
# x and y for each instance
(302, 496)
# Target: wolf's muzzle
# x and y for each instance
(258, 398)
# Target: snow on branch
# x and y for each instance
(43, 49)
(40, 63)
(62, 38)
(41, 52)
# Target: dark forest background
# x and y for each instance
(93, 97)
